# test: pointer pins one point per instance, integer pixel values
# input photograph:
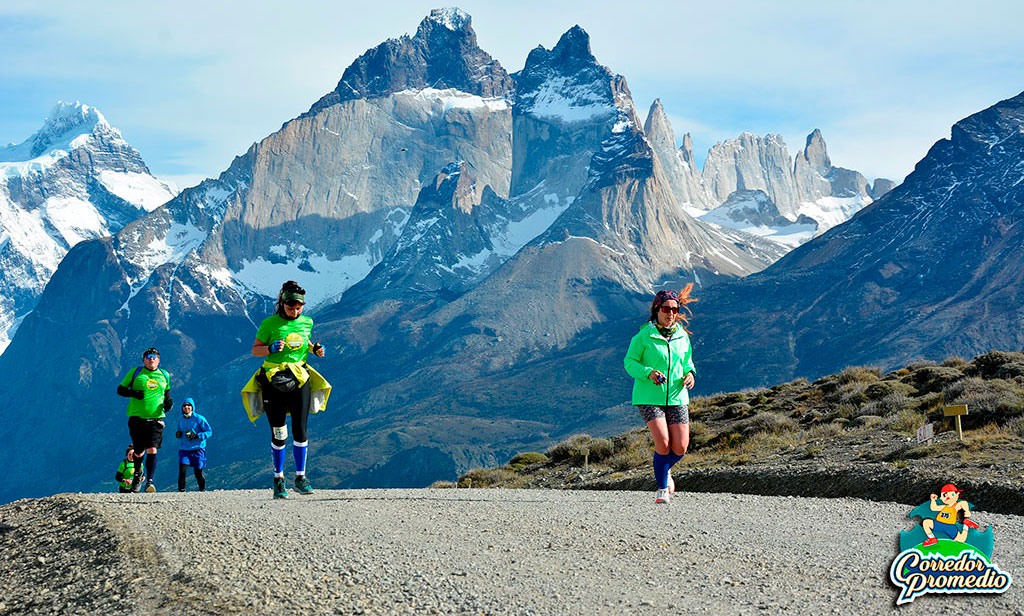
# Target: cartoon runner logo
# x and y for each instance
(945, 555)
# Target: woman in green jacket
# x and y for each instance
(660, 360)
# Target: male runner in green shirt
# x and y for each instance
(148, 388)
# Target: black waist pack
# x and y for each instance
(284, 381)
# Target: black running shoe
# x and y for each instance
(279, 490)
(302, 485)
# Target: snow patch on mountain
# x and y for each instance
(832, 211)
(179, 240)
(563, 98)
(140, 189)
(325, 279)
(450, 98)
(519, 233)
(76, 219)
(26, 232)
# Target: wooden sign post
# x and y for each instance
(956, 410)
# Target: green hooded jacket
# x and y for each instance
(648, 351)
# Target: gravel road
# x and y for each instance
(466, 552)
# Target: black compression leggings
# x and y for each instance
(277, 405)
(200, 480)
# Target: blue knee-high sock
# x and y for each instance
(661, 470)
(278, 454)
(673, 458)
(150, 466)
(299, 452)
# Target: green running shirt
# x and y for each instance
(295, 334)
(154, 384)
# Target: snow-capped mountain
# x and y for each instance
(931, 269)
(748, 181)
(74, 179)
(452, 225)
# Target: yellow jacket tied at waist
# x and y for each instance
(319, 388)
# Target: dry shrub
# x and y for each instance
(993, 400)
(563, 451)
(737, 410)
(888, 387)
(930, 403)
(851, 392)
(955, 362)
(489, 478)
(933, 378)
(824, 431)
(631, 450)
(885, 406)
(764, 422)
(860, 374)
(905, 421)
(987, 365)
(699, 435)
(521, 461)
(1011, 370)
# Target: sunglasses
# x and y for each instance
(672, 309)
(150, 356)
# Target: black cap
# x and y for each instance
(151, 350)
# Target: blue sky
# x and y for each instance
(193, 84)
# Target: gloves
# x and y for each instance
(138, 394)
(190, 435)
(317, 348)
(277, 346)
(177, 434)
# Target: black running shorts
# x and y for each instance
(145, 433)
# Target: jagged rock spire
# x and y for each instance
(442, 54)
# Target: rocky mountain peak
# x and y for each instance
(567, 82)
(815, 153)
(993, 131)
(442, 54)
(573, 49)
(451, 18)
(453, 187)
(65, 122)
(657, 127)
(687, 151)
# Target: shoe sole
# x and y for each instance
(281, 497)
(150, 489)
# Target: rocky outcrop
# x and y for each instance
(881, 187)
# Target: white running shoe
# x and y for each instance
(661, 497)
(671, 484)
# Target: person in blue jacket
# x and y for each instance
(193, 430)
(660, 360)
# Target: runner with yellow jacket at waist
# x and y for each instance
(285, 384)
